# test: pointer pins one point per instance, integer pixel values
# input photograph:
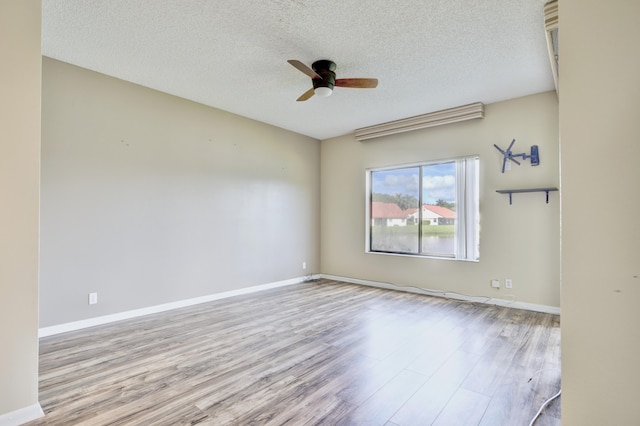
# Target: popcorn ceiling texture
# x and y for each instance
(231, 54)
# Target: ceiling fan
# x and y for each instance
(323, 77)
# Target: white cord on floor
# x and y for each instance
(547, 402)
(444, 294)
(449, 294)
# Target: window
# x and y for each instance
(427, 209)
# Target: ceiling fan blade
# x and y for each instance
(302, 67)
(359, 83)
(306, 95)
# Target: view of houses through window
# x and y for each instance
(428, 209)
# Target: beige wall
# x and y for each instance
(520, 241)
(600, 145)
(19, 187)
(150, 199)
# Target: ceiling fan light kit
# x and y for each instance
(323, 79)
(323, 91)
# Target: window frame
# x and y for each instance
(467, 235)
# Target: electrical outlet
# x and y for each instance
(508, 283)
(304, 265)
(495, 283)
(93, 298)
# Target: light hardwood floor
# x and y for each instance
(321, 352)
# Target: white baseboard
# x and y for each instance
(106, 319)
(448, 294)
(21, 416)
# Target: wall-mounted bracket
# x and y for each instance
(510, 156)
(514, 191)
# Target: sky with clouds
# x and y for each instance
(438, 182)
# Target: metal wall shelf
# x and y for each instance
(517, 191)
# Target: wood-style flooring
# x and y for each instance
(318, 353)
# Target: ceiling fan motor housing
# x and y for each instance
(325, 69)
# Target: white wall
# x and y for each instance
(520, 241)
(600, 145)
(150, 199)
(19, 187)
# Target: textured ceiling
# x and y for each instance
(232, 54)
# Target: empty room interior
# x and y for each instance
(294, 212)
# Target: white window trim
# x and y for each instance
(467, 242)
